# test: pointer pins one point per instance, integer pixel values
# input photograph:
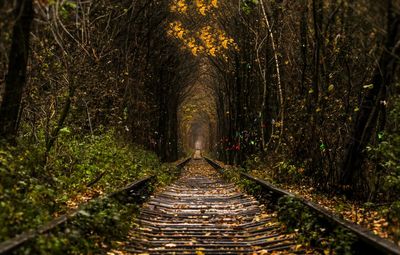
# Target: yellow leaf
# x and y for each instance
(225, 44)
(202, 11)
(194, 51)
(369, 86)
(199, 251)
(212, 52)
(298, 247)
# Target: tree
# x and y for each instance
(16, 76)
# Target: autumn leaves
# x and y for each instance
(206, 38)
(202, 7)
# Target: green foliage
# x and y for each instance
(249, 5)
(253, 162)
(298, 217)
(342, 241)
(93, 229)
(93, 155)
(67, 8)
(287, 172)
(393, 216)
(233, 174)
(21, 193)
(387, 154)
(251, 187)
(388, 151)
(312, 229)
(35, 185)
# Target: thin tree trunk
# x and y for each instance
(64, 114)
(16, 76)
(303, 47)
(278, 74)
(317, 17)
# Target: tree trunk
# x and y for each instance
(173, 134)
(303, 48)
(278, 74)
(16, 76)
(64, 114)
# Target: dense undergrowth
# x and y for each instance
(36, 186)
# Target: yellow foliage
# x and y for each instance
(200, 5)
(212, 52)
(179, 6)
(191, 44)
(225, 44)
(202, 11)
(195, 50)
(203, 8)
(176, 29)
(208, 40)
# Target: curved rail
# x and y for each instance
(133, 193)
(368, 242)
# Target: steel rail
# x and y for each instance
(132, 192)
(368, 241)
(21, 239)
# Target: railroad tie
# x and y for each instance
(202, 214)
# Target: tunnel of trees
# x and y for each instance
(305, 88)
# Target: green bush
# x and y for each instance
(93, 230)
(34, 185)
(21, 193)
(312, 229)
(393, 216)
(387, 153)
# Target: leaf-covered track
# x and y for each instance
(202, 214)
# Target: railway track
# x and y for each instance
(202, 214)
